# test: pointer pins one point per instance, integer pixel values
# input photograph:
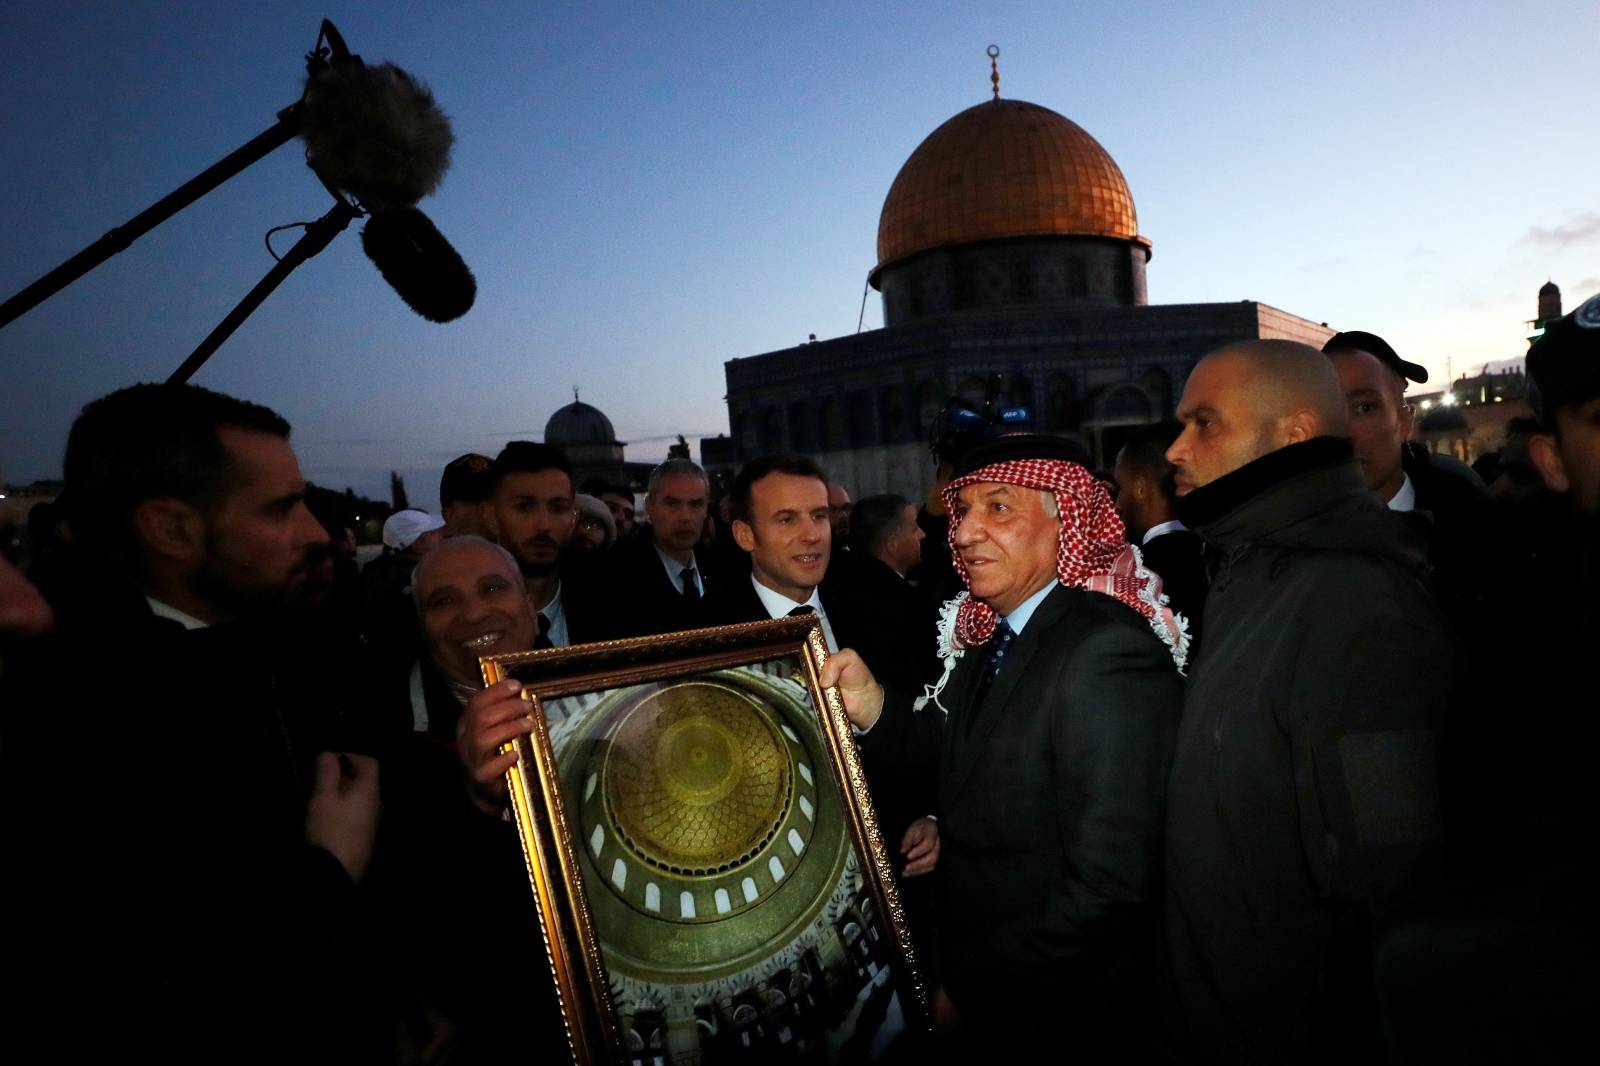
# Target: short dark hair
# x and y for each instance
(529, 457)
(874, 519)
(760, 467)
(1144, 451)
(146, 442)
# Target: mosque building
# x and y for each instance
(589, 440)
(1011, 267)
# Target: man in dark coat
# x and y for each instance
(656, 582)
(1446, 495)
(186, 817)
(1147, 502)
(1502, 965)
(1063, 706)
(1304, 790)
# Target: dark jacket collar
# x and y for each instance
(1279, 489)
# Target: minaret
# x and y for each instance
(1549, 303)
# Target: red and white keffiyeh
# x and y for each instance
(1092, 551)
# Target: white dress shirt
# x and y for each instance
(778, 605)
(558, 619)
(1405, 497)
(1161, 529)
(183, 618)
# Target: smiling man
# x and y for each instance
(1051, 769)
(1304, 790)
(781, 519)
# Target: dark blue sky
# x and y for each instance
(645, 191)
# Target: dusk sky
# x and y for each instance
(647, 190)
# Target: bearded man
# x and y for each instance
(1050, 735)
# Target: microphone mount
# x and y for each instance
(330, 51)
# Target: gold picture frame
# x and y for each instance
(706, 863)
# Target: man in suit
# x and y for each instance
(656, 583)
(215, 847)
(781, 520)
(1063, 705)
(885, 528)
(1147, 502)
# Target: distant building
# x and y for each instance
(1011, 267)
(590, 442)
(1469, 418)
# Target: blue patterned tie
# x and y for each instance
(998, 644)
(1003, 635)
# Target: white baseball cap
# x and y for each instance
(401, 529)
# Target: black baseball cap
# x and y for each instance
(1014, 446)
(1360, 340)
(1565, 363)
(468, 478)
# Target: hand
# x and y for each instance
(862, 695)
(945, 1016)
(920, 846)
(342, 815)
(492, 717)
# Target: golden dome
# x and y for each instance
(1005, 168)
(697, 781)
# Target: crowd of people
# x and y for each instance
(1267, 744)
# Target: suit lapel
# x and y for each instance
(995, 702)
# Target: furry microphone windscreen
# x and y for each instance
(419, 264)
(375, 132)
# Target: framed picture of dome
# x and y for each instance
(705, 860)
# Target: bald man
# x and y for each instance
(1304, 788)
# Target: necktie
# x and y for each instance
(1003, 635)
(691, 591)
(543, 639)
(804, 608)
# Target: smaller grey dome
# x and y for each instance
(579, 423)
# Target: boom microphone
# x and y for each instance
(374, 132)
(419, 264)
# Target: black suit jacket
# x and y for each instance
(635, 596)
(1178, 558)
(1051, 794)
(870, 609)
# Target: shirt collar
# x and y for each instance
(1163, 528)
(675, 568)
(1018, 618)
(163, 610)
(552, 610)
(778, 605)
(1405, 497)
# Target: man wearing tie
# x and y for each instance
(1063, 696)
(655, 582)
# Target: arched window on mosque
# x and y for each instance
(893, 424)
(1157, 384)
(802, 426)
(771, 428)
(830, 418)
(1123, 403)
(973, 390)
(1060, 402)
(744, 432)
(1019, 389)
(930, 400)
(858, 420)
